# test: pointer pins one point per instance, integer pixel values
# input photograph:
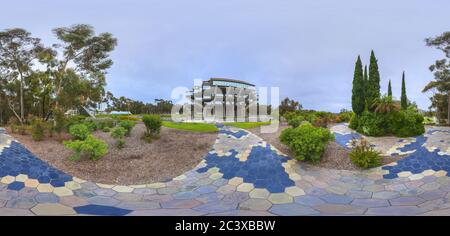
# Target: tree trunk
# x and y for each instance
(22, 113)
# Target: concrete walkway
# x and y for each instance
(241, 175)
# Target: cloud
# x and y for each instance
(307, 48)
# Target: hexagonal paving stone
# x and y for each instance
(292, 210)
(386, 195)
(156, 185)
(144, 191)
(370, 203)
(47, 209)
(308, 200)
(236, 181)
(21, 178)
(73, 201)
(104, 185)
(395, 211)
(31, 183)
(122, 189)
(245, 187)
(180, 203)
(138, 205)
(255, 204)
(78, 180)
(259, 193)
(130, 197)
(45, 188)
(226, 189)
(294, 191)
(337, 209)
(336, 198)
(104, 201)
(406, 201)
(62, 191)
(216, 176)
(72, 185)
(105, 192)
(8, 179)
(16, 186)
(21, 202)
(46, 198)
(280, 198)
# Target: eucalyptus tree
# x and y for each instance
(78, 65)
(18, 53)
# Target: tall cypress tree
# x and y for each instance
(373, 88)
(365, 85)
(358, 101)
(404, 99)
(389, 89)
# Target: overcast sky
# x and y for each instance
(307, 48)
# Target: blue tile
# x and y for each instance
(263, 168)
(101, 210)
(16, 186)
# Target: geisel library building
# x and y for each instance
(229, 100)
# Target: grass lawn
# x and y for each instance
(196, 127)
(246, 125)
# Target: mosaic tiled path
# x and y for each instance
(241, 175)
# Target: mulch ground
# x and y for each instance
(139, 162)
(334, 157)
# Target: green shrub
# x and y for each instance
(79, 131)
(291, 114)
(402, 123)
(296, 121)
(128, 125)
(72, 120)
(152, 124)
(306, 141)
(106, 129)
(429, 121)
(91, 125)
(406, 123)
(372, 124)
(364, 156)
(91, 147)
(127, 117)
(344, 116)
(354, 122)
(100, 123)
(120, 143)
(37, 129)
(119, 133)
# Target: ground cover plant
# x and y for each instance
(91, 147)
(363, 155)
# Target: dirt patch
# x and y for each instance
(139, 162)
(334, 157)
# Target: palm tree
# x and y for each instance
(385, 104)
